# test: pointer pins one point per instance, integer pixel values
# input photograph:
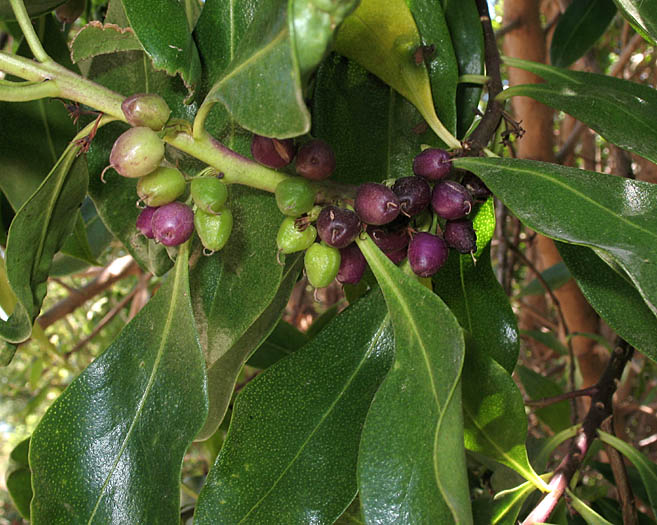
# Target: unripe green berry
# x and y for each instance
(137, 152)
(213, 228)
(209, 194)
(161, 187)
(322, 263)
(146, 109)
(294, 196)
(290, 239)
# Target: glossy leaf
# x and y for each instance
(284, 340)
(98, 39)
(578, 28)
(163, 31)
(508, 503)
(34, 8)
(383, 38)
(468, 41)
(411, 463)
(623, 112)
(613, 298)
(494, 415)
(110, 447)
(647, 469)
(587, 513)
(642, 15)
(291, 451)
(19, 477)
(77, 244)
(555, 276)
(557, 415)
(610, 213)
(261, 86)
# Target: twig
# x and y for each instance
(623, 486)
(601, 408)
(547, 401)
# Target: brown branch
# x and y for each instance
(514, 24)
(601, 408)
(546, 401)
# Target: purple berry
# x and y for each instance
(273, 153)
(389, 240)
(460, 235)
(145, 222)
(398, 256)
(352, 265)
(337, 227)
(475, 186)
(450, 200)
(432, 164)
(315, 160)
(376, 204)
(427, 253)
(414, 195)
(173, 223)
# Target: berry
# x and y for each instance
(352, 265)
(137, 152)
(273, 153)
(291, 239)
(389, 240)
(414, 195)
(450, 200)
(427, 253)
(322, 263)
(209, 194)
(70, 11)
(315, 160)
(397, 256)
(161, 187)
(146, 109)
(432, 164)
(213, 228)
(460, 235)
(337, 227)
(145, 222)
(475, 186)
(173, 223)
(376, 204)
(294, 196)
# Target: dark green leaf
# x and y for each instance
(284, 340)
(291, 451)
(411, 462)
(36, 234)
(590, 516)
(613, 297)
(557, 415)
(19, 478)
(163, 30)
(98, 39)
(77, 244)
(34, 8)
(613, 214)
(634, 479)
(623, 112)
(579, 28)
(555, 277)
(110, 448)
(642, 15)
(508, 503)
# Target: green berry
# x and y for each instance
(137, 152)
(290, 239)
(213, 228)
(146, 109)
(209, 194)
(161, 187)
(294, 197)
(322, 264)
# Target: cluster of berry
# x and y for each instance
(139, 153)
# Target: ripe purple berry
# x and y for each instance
(398, 256)
(450, 200)
(376, 204)
(389, 240)
(145, 222)
(274, 153)
(337, 227)
(432, 164)
(315, 160)
(173, 223)
(352, 265)
(414, 195)
(475, 186)
(460, 235)
(427, 253)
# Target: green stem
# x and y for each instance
(474, 79)
(199, 120)
(26, 91)
(31, 37)
(22, 67)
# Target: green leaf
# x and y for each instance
(581, 25)
(647, 469)
(555, 276)
(261, 87)
(147, 396)
(34, 8)
(613, 298)
(508, 503)
(36, 234)
(383, 37)
(19, 477)
(643, 17)
(613, 214)
(163, 31)
(411, 463)
(494, 415)
(623, 112)
(590, 516)
(468, 40)
(291, 451)
(284, 340)
(98, 39)
(557, 415)
(77, 244)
